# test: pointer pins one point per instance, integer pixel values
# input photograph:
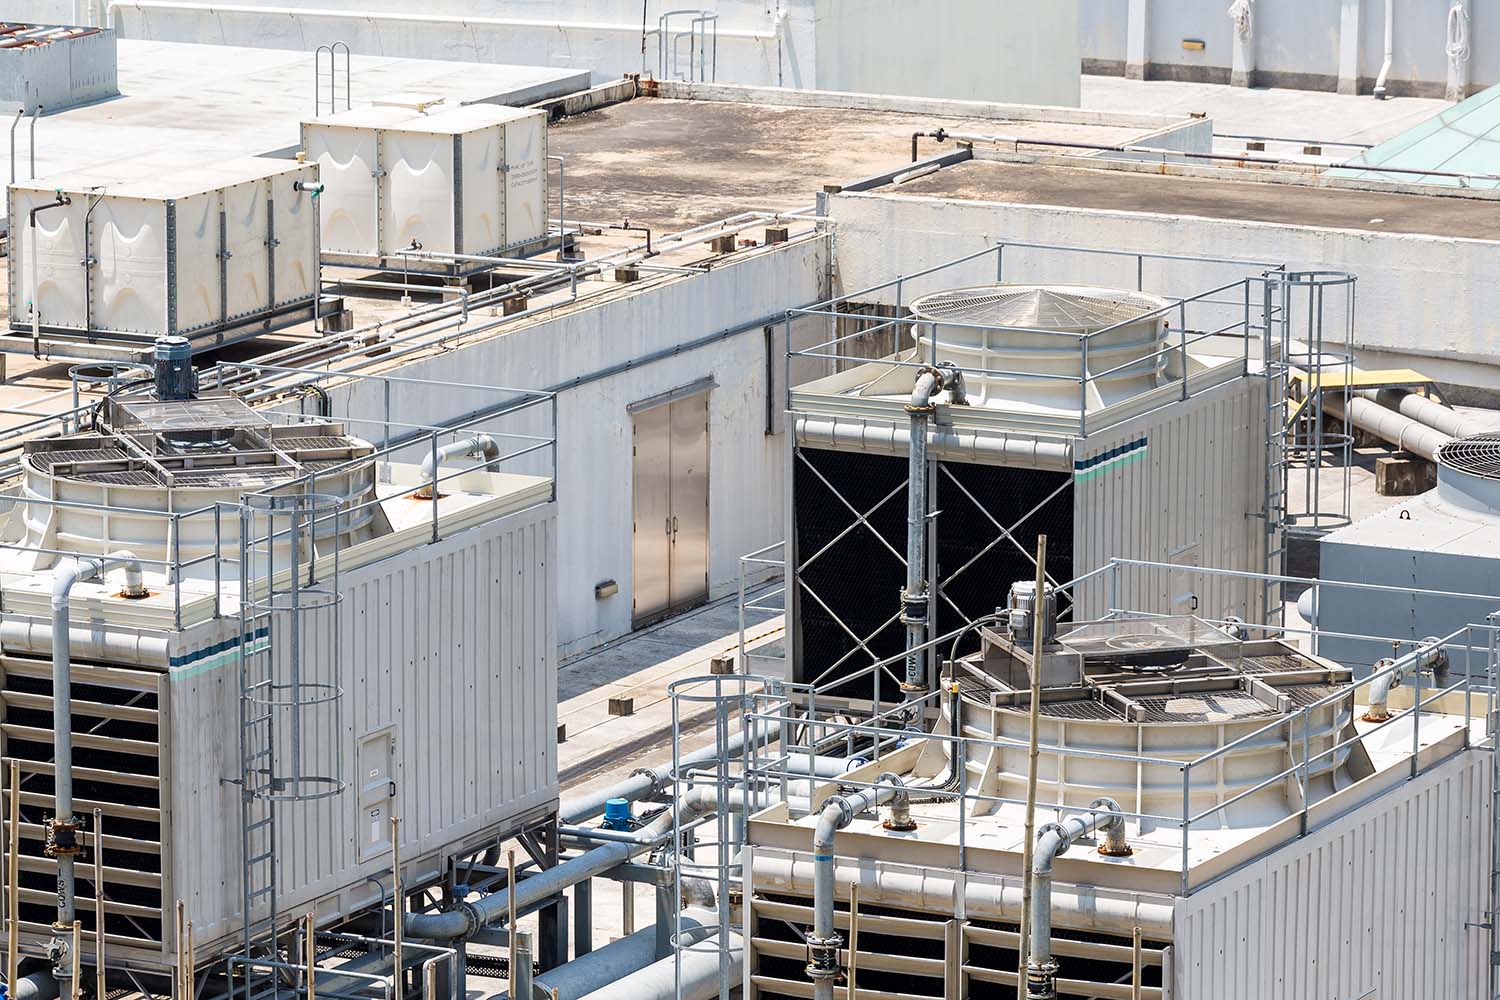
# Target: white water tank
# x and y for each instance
(470, 179)
(1030, 339)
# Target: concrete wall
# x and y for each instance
(60, 74)
(594, 430)
(949, 49)
(1424, 301)
(1297, 43)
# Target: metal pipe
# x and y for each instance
(99, 992)
(692, 973)
(1052, 841)
(21, 111)
(31, 152)
(12, 878)
(1400, 430)
(823, 941)
(63, 828)
(1429, 654)
(479, 444)
(1425, 410)
(36, 986)
(647, 782)
(61, 200)
(1390, 49)
(602, 967)
(914, 595)
(1010, 450)
(1038, 636)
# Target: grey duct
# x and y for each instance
(1429, 654)
(979, 897)
(1052, 841)
(823, 941)
(944, 443)
(63, 828)
(1400, 430)
(479, 444)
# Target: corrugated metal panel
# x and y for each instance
(1180, 485)
(450, 644)
(1372, 907)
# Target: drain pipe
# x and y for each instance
(480, 444)
(62, 831)
(1397, 428)
(823, 942)
(1429, 654)
(914, 596)
(1053, 840)
(59, 201)
(1390, 49)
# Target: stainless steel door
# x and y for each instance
(689, 575)
(651, 502)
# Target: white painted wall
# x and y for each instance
(1424, 301)
(1297, 42)
(977, 50)
(938, 48)
(594, 430)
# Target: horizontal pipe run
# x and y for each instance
(943, 442)
(1401, 431)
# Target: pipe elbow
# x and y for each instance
(135, 582)
(835, 815)
(1051, 843)
(925, 388)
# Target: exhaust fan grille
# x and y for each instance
(1075, 309)
(1478, 455)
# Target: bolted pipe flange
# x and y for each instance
(1041, 980)
(61, 838)
(823, 956)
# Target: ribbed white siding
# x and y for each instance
(1192, 496)
(452, 644)
(1371, 907)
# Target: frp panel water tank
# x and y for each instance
(464, 180)
(130, 252)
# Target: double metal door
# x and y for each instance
(670, 503)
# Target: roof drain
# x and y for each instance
(480, 444)
(823, 942)
(1390, 672)
(914, 596)
(62, 831)
(1052, 841)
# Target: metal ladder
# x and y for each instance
(1278, 443)
(258, 783)
(333, 77)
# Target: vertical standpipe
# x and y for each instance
(914, 596)
(63, 829)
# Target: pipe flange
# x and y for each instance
(899, 826)
(61, 838)
(1062, 834)
(1124, 851)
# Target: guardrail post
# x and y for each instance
(1186, 824)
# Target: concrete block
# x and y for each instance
(722, 244)
(722, 664)
(1404, 475)
(777, 234)
(622, 706)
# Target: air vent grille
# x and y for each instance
(1477, 455)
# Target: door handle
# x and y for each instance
(669, 525)
(674, 524)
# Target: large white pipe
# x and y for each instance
(1390, 49)
(947, 443)
(479, 444)
(1392, 671)
(1082, 908)
(1425, 411)
(614, 962)
(1400, 430)
(697, 959)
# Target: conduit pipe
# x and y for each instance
(479, 444)
(938, 892)
(823, 941)
(63, 828)
(1390, 49)
(1052, 841)
(1429, 654)
(1400, 430)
